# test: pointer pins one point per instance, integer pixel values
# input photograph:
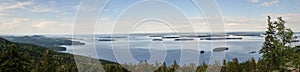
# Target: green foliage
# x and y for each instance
(21, 57)
(33, 58)
(202, 68)
(175, 66)
(277, 50)
(13, 61)
(114, 68)
(163, 68)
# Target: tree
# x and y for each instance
(224, 68)
(234, 66)
(202, 68)
(163, 68)
(14, 61)
(253, 65)
(277, 49)
(46, 61)
(175, 66)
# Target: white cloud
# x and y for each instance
(15, 5)
(270, 3)
(44, 24)
(231, 23)
(254, 1)
(20, 20)
(29, 6)
(265, 3)
(243, 20)
(29, 26)
(36, 9)
(13, 22)
(4, 27)
(5, 15)
(10, 25)
(50, 24)
(288, 17)
(50, 7)
(52, 2)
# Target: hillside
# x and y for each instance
(39, 58)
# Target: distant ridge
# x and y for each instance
(4, 41)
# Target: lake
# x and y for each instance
(136, 48)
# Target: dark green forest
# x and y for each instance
(22, 57)
(278, 56)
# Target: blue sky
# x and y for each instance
(56, 16)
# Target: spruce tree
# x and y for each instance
(163, 68)
(175, 66)
(202, 68)
(277, 49)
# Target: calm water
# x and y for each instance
(184, 52)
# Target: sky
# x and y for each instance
(58, 16)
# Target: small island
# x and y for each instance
(218, 49)
(222, 38)
(183, 39)
(106, 39)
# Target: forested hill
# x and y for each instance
(22, 57)
(50, 42)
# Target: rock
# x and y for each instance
(201, 52)
(252, 52)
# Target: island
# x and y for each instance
(218, 49)
(106, 39)
(222, 38)
(183, 39)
